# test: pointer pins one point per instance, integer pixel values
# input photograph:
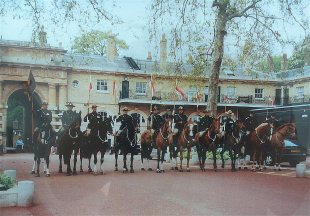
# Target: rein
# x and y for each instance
(261, 140)
(165, 138)
(130, 141)
(213, 140)
(72, 137)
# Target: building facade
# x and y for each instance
(113, 82)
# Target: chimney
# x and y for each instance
(163, 52)
(270, 63)
(149, 56)
(284, 63)
(111, 49)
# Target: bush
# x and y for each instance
(7, 181)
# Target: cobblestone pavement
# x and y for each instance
(170, 193)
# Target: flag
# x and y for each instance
(180, 92)
(90, 86)
(114, 88)
(198, 100)
(31, 84)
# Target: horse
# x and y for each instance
(146, 148)
(70, 141)
(277, 141)
(186, 140)
(259, 139)
(232, 143)
(126, 141)
(163, 140)
(43, 140)
(209, 141)
(98, 142)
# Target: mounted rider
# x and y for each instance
(167, 115)
(68, 117)
(250, 123)
(94, 119)
(180, 120)
(43, 118)
(274, 121)
(228, 123)
(156, 123)
(205, 122)
(126, 120)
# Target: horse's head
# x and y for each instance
(76, 124)
(216, 125)
(189, 128)
(288, 130)
(264, 129)
(167, 126)
(240, 127)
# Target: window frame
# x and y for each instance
(259, 93)
(300, 94)
(99, 85)
(141, 88)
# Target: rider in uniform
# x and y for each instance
(274, 121)
(68, 117)
(228, 123)
(204, 123)
(94, 119)
(125, 119)
(168, 114)
(250, 123)
(180, 120)
(43, 117)
(156, 122)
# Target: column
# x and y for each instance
(62, 96)
(282, 96)
(52, 96)
(1, 92)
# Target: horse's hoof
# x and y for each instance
(172, 168)
(279, 170)
(116, 169)
(68, 174)
(101, 172)
(37, 175)
(142, 169)
(132, 171)
(162, 171)
(48, 175)
(44, 172)
(74, 173)
(245, 168)
(176, 168)
(188, 170)
(33, 172)
(223, 166)
(265, 168)
(149, 169)
(60, 170)
(158, 171)
(95, 173)
(81, 170)
(181, 170)
(90, 170)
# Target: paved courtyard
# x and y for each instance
(169, 193)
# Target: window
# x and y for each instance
(231, 92)
(300, 92)
(192, 94)
(259, 93)
(141, 88)
(206, 93)
(102, 85)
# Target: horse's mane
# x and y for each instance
(262, 125)
(284, 125)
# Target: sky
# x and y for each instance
(134, 29)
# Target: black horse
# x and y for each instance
(232, 143)
(97, 142)
(68, 142)
(126, 141)
(43, 140)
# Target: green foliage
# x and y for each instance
(15, 111)
(275, 61)
(296, 60)
(95, 42)
(218, 155)
(7, 181)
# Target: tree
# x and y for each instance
(251, 24)
(59, 13)
(95, 42)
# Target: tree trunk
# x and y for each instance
(220, 32)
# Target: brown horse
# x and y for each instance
(209, 141)
(146, 149)
(232, 143)
(163, 139)
(186, 139)
(258, 138)
(286, 131)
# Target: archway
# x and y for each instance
(19, 117)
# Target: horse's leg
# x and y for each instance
(125, 169)
(60, 163)
(116, 157)
(75, 160)
(254, 160)
(162, 160)
(131, 163)
(171, 157)
(34, 166)
(181, 158)
(38, 167)
(102, 152)
(47, 161)
(44, 167)
(81, 163)
(222, 155)
(214, 158)
(158, 159)
(203, 158)
(188, 158)
(95, 162)
(69, 171)
(89, 168)
(143, 151)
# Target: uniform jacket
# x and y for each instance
(157, 121)
(68, 118)
(43, 117)
(250, 123)
(180, 120)
(205, 122)
(94, 119)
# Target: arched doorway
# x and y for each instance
(19, 117)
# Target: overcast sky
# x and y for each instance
(134, 30)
